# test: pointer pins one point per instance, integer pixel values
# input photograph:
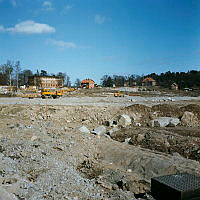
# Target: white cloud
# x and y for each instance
(13, 3)
(31, 27)
(98, 19)
(61, 43)
(48, 6)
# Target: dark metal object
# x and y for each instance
(176, 187)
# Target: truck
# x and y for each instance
(50, 93)
(118, 94)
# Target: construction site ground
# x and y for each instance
(45, 156)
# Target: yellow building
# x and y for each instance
(46, 81)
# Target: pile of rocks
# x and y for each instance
(120, 121)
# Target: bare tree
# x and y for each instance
(23, 76)
(17, 70)
(67, 82)
(78, 82)
(66, 79)
(10, 71)
(6, 71)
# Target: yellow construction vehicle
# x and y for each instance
(49, 93)
(30, 95)
(118, 94)
(67, 90)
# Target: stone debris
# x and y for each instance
(4, 195)
(127, 140)
(111, 131)
(84, 129)
(100, 130)
(111, 123)
(34, 137)
(164, 121)
(189, 119)
(124, 120)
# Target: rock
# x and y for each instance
(105, 185)
(136, 117)
(138, 124)
(140, 137)
(100, 130)
(115, 129)
(164, 121)
(107, 136)
(124, 120)
(4, 195)
(111, 123)
(189, 119)
(65, 128)
(40, 117)
(176, 154)
(127, 195)
(33, 138)
(84, 129)
(127, 140)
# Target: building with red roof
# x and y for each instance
(148, 82)
(87, 83)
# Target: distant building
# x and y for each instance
(149, 82)
(87, 83)
(174, 86)
(130, 83)
(46, 81)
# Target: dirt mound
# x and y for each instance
(167, 140)
(192, 108)
(166, 110)
(138, 108)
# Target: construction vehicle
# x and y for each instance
(67, 90)
(118, 94)
(50, 93)
(133, 94)
(30, 95)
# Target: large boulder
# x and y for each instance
(100, 130)
(84, 129)
(164, 121)
(124, 120)
(189, 119)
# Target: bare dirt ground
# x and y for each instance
(44, 155)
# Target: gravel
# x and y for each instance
(96, 101)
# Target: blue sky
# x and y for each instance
(91, 38)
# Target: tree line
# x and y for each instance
(120, 81)
(12, 74)
(183, 79)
